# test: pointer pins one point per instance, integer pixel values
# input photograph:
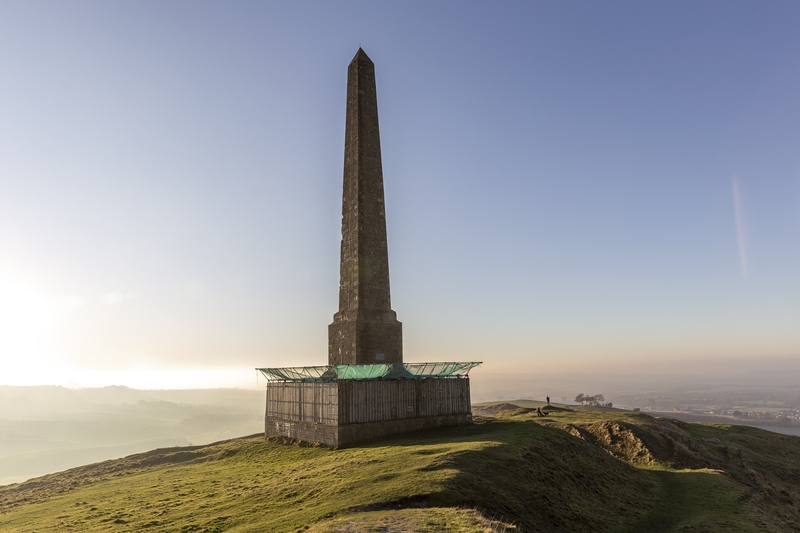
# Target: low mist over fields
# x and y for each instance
(46, 429)
(745, 393)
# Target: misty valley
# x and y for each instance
(47, 429)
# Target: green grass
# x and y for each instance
(571, 471)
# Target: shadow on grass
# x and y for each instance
(540, 478)
(544, 479)
(699, 500)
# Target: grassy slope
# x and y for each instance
(571, 471)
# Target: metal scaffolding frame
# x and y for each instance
(383, 371)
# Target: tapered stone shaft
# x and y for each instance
(365, 330)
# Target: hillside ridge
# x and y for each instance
(513, 471)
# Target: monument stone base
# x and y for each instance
(342, 413)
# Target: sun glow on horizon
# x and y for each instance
(136, 377)
(25, 319)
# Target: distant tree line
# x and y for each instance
(596, 400)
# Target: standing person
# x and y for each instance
(548, 401)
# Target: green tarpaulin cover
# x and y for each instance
(365, 372)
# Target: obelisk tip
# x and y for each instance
(361, 55)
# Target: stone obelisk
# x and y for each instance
(365, 330)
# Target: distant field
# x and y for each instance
(686, 417)
(716, 419)
(779, 429)
(47, 429)
(571, 471)
(533, 404)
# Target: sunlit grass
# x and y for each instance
(570, 471)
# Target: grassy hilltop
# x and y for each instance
(572, 471)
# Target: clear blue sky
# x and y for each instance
(569, 185)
